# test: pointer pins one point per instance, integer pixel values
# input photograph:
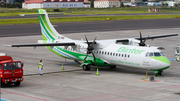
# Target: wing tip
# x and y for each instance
(7, 45)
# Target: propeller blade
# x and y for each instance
(94, 57)
(140, 35)
(87, 40)
(94, 41)
(85, 57)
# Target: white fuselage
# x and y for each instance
(131, 56)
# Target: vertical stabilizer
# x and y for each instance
(47, 29)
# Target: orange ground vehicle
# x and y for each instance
(11, 71)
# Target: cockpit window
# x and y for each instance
(161, 54)
(147, 54)
(151, 54)
(157, 54)
(154, 54)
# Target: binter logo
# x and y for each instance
(131, 51)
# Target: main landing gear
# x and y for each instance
(158, 73)
(86, 67)
(112, 67)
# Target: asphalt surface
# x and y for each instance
(77, 27)
(74, 84)
(23, 17)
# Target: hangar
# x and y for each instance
(30, 4)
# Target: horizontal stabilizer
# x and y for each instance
(41, 14)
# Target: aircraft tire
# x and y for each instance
(86, 68)
(17, 83)
(112, 67)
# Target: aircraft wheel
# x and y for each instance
(86, 67)
(112, 67)
(1, 84)
(17, 83)
(159, 74)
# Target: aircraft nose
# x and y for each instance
(162, 62)
(165, 62)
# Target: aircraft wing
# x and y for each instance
(149, 37)
(157, 36)
(43, 44)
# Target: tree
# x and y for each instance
(176, 5)
(92, 3)
(122, 4)
(164, 4)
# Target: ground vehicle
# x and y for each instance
(177, 53)
(11, 71)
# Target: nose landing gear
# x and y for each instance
(158, 73)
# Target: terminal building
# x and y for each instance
(30, 4)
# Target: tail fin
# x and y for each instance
(48, 31)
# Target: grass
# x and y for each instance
(80, 19)
(5, 12)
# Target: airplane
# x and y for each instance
(126, 52)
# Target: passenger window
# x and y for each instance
(0, 66)
(128, 56)
(108, 53)
(125, 55)
(157, 54)
(119, 55)
(105, 53)
(102, 52)
(150, 54)
(99, 52)
(122, 55)
(116, 54)
(113, 54)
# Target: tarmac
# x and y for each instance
(75, 84)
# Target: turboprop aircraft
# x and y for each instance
(132, 52)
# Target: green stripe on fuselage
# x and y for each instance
(162, 68)
(79, 56)
(161, 58)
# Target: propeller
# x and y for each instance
(142, 42)
(90, 49)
